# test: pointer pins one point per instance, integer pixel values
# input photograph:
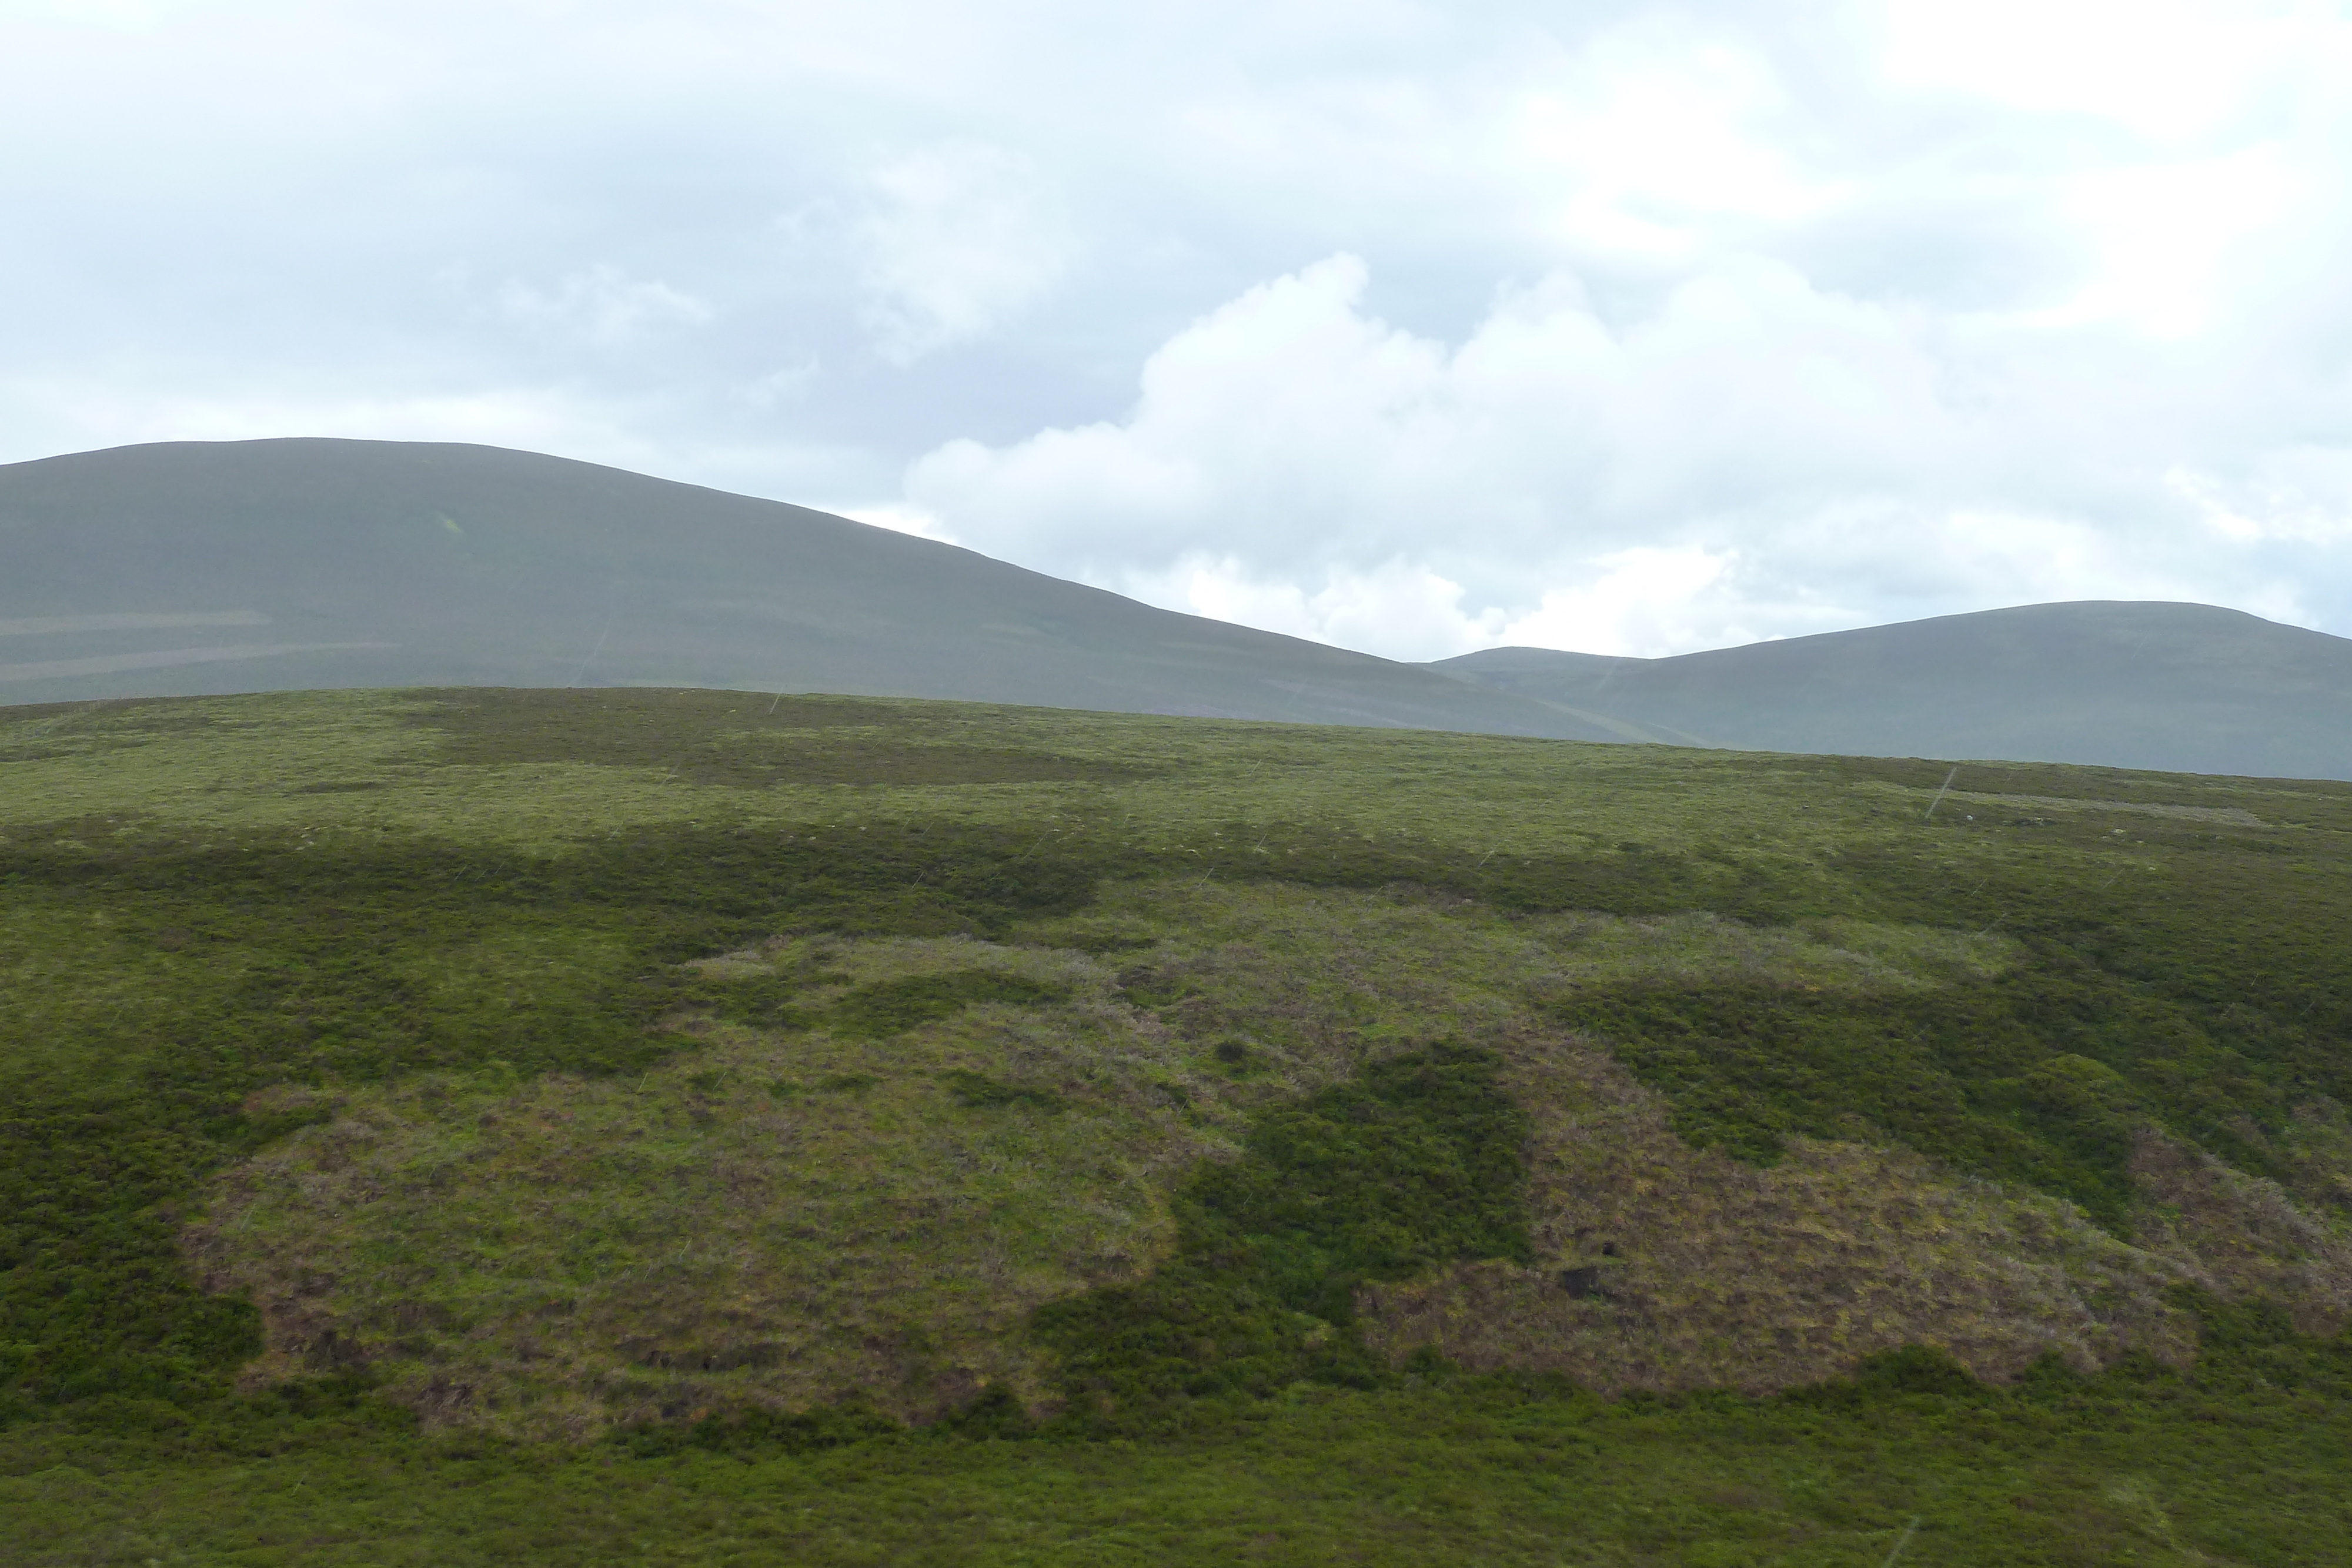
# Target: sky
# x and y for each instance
(1415, 329)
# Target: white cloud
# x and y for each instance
(1642, 603)
(958, 239)
(900, 518)
(1651, 143)
(603, 305)
(788, 385)
(1755, 457)
(1396, 605)
(2302, 495)
(2164, 67)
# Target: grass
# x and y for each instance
(1413, 1163)
(2135, 1466)
(1147, 1106)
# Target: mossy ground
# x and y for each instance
(522, 1063)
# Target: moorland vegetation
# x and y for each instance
(692, 1126)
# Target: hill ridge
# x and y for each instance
(2145, 684)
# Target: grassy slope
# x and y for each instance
(311, 562)
(419, 1009)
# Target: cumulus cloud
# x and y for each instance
(1756, 457)
(957, 239)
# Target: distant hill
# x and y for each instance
(2180, 687)
(191, 567)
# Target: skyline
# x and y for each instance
(1661, 329)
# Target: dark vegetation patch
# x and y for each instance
(736, 738)
(762, 1000)
(2212, 997)
(831, 1083)
(1970, 1077)
(2205, 989)
(845, 1082)
(1415, 1162)
(191, 974)
(755, 1431)
(977, 1091)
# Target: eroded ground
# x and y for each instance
(864, 1178)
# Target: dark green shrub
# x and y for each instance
(1416, 1161)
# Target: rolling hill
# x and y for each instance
(192, 567)
(2183, 687)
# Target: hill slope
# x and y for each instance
(480, 1125)
(190, 567)
(2186, 688)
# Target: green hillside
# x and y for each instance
(191, 567)
(688, 1127)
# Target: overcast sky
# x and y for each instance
(1414, 328)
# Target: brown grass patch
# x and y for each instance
(1664, 1267)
